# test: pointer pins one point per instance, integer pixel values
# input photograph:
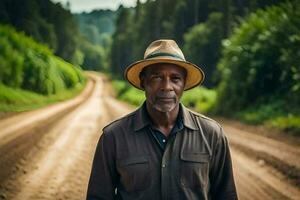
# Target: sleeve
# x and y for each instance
(103, 177)
(221, 174)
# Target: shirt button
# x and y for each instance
(164, 140)
(163, 165)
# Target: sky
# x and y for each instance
(88, 5)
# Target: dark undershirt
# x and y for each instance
(159, 137)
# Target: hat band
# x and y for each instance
(163, 54)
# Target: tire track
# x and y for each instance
(56, 160)
(23, 127)
(58, 165)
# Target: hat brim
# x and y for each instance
(195, 75)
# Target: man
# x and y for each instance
(162, 151)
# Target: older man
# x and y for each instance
(163, 151)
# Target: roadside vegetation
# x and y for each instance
(260, 69)
(199, 99)
(128, 93)
(249, 51)
(252, 62)
(31, 76)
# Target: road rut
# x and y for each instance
(57, 165)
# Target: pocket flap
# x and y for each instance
(133, 160)
(195, 157)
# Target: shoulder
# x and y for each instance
(119, 123)
(205, 120)
(208, 125)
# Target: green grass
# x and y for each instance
(31, 76)
(274, 115)
(17, 100)
(289, 123)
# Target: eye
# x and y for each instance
(156, 78)
(176, 79)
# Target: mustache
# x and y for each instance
(165, 95)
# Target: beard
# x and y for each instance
(164, 102)
(164, 107)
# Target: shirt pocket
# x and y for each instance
(134, 173)
(194, 170)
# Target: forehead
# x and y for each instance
(164, 67)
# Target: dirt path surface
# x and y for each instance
(47, 154)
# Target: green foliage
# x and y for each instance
(273, 114)
(200, 99)
(121, 50)
(290, 123)
(262, 59)
(127, 93)
(151, 20)
(45, 21)
(95, 26)
(95, 57)
(17, 100)
(259, 72)
(96, 29)
(202, 44)
(30, 66)
(133, 96)
(256, 114)
(260, 69)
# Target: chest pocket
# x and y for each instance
(194, 170)
(134, 173)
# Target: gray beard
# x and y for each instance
(165, 108)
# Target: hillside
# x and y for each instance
(31, 75)
(97, 26)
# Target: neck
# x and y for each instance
(163, 121)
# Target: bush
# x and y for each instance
(200, 99)
(202, 45)
(260, 69)
(261, 60)
(16, 100)
(290, 123)
(31, 76)
(128, 93)
(28, 65)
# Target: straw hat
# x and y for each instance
(164, 51)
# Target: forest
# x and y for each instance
(249, 50)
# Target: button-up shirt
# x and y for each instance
(195, 163)
(159, 137)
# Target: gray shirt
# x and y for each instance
(195, 163)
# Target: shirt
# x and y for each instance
(159, 137)
(195, 164)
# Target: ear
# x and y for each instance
(142, 79)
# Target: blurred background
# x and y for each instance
(249, 51)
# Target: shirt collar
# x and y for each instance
(142, 119)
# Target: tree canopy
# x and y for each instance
(260, 62)
(179, 20)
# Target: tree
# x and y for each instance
(202, 46)
(121, 51)
(261, 60)
(39, 19)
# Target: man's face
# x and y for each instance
(163, 84)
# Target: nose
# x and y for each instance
(167, 85)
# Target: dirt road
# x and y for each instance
(47, 154)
